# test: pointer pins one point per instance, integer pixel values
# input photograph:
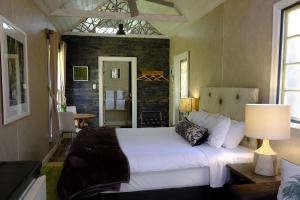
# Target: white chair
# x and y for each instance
(72, 109)
(66, 123)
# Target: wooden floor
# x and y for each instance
(191, 193)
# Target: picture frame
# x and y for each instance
(115, 73)
(80, 73)
(14, 68)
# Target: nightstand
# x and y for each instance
(244, 173)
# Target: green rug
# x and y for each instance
(52, 171)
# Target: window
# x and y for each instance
(184, 79)
(288, 91)
(61, 76)
(110, 26)
(181, 83)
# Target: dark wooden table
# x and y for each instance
(244, 173)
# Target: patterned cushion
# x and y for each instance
(290, 181)
(193, 133)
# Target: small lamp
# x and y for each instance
(187, 105)
(195, 104)
(267, 122)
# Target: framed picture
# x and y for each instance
(14, 70)
(80, 73)
(115, 73)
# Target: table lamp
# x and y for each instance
(267, 122)
(187, 105)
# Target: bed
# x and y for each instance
(159, 158)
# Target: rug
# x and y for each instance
(52, 171)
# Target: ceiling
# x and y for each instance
(185, 12)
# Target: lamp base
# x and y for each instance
(265, 165)
(265, 160)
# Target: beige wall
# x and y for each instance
(27, 139)
(247, 44)
(203, 39)
(231, 46)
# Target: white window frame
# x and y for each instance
(278, 9)
(177, 71)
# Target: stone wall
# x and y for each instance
(152, 54)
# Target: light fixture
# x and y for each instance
(195, 104)
(121, 30)
(267, 122)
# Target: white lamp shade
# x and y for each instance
(267, 121)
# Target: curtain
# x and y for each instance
(61, 74)
(53, 71)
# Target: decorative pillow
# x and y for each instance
(193, 133)
(182, 126)
(290, 181)
(235, 134)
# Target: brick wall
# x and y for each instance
(152, 54)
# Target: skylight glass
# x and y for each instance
(109, 26)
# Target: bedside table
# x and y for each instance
(244, 173)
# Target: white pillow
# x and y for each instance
(217, 125)
(198, 117)
(235, 134)
(289, 172)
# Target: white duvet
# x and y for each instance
(162, 149)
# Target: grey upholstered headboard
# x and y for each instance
(229, 102)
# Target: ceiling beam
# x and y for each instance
(161, 2)
(116, 15)
(133, 8)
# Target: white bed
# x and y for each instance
(160, 158)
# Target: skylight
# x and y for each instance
(109, 26)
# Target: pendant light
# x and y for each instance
(121, 30)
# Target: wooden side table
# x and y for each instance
(244, 173)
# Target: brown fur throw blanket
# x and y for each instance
(94, 163)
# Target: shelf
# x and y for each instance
(152, 76)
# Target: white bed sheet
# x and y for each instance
(159, 156)
(158, 149)
(218, 158)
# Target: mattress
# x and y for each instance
(160, 158)
(167, 179)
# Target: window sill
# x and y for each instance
(295, 125)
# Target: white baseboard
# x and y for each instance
(50, 154)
